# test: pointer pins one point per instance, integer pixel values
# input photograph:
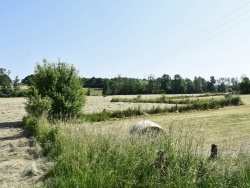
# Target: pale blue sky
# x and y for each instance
(131, 38)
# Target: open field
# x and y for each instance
(20, 164)
(227, 127)
(105, 154)
(99, 103)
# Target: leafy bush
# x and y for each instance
(44, 133)
(58, 82)
(38, 106)
(13, 93)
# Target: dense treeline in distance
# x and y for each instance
(127, 86)
(167, 85)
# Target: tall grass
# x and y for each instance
(103, 159)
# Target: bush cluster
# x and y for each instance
(60, 84)
(14, 93)
(55, 93)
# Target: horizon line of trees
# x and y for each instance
(161, 85)
(167, 85)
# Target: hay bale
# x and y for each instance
(227, 95)
(146, 126)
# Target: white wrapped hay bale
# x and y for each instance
(146, 126)
(227, 95)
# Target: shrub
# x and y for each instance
(38, 106)
(58, 82)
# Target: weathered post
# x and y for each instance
(214, 151)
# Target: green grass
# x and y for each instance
(104, 154)
(93, 91)
(101, 159)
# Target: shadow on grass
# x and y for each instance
(10, 125)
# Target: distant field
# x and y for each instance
(105, 153)
(99, 103)
(228, 127)
(94, 91)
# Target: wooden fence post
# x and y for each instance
(214, 151)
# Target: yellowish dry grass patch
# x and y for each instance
(229, 128)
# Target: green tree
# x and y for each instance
(5, 82)
(234, 84)
(222, 86)
(153, 85)
(178, 85)
(211, 84)
(60, 83)
(190, 86)
(26, 80)
(166, 83)
(244, 85)
(2, 71)
(114, 88)
(16, 83)
(198, 85)
(106, 89)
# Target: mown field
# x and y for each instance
(104, 154)
(228, 127)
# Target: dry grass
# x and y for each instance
(227, 127)
(99, 103)
(20, 162)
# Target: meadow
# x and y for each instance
(104, 154)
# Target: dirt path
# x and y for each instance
(20, 161)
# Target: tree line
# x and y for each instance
(5, 81)
(168, 85)
(152, 85)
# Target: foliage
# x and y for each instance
(26, 80)
(106, 88)
(44, 133)
(162, 85)
(38, 106)
(16, 83)
(92, 82)
(106, 115)
(5, 82)
(59, 83)
(245, 85)
(14, 93)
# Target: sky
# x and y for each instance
(129, 38)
